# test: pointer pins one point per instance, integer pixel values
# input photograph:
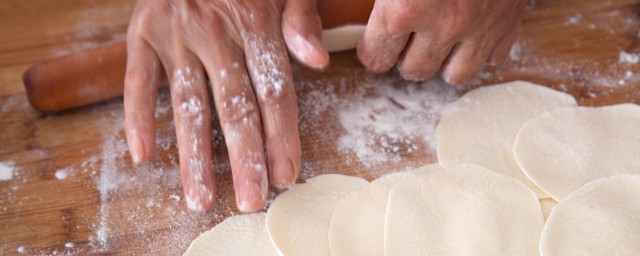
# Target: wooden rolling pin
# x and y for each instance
(97, 74)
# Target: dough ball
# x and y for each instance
(565, 148)
(465, 210)
(600, 218)
(298, 220)
(480, 127)
(241, 235)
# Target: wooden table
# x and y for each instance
(75, 191)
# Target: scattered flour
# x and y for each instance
(382, 119)
(398, 118)
(175, 198)
(63, 173)
(6, 171)
(157, 184)
(21, 249)
(574, 19)
(631, 58)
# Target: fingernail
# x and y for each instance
(136, 147)
(282, 173)
(249, 196)
(199, 197)
(312, 51)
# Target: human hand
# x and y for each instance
(239, 46)
(425, 36)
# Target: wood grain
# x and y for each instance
(108, 206)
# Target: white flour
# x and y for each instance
(630, 58)
(398, 119)
(154, 190)
(581, 71)
(6, 171)
(374, 124)
(63, 173)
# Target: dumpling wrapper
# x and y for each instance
(464, 210)
(357, 223)
(480, 127)
(600, 218)
(565, 148)
(342, 38)
(298, 220)
(240, 235)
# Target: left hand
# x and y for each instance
(241, 46)
(457, 37)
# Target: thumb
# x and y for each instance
(302, 29)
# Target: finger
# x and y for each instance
(142, 79)
(423, 57)
(241, 124)
(192, 118)
(302, 29)
(466, 60)
(270, 73)
(503, 47)
(384, 38)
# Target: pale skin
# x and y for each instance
(242, 47)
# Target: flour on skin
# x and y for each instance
(191, 118)
(268, 78)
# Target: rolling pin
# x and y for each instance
(97, 74)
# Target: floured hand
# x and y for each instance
(425, 36)
(239, 47)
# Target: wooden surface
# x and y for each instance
(74, 184)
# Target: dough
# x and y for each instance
(342, 38)
(357, 223)
(547, 204)
(562, 150)
(465, 210)
(481, 126)
(237, 235)
(298, 220)
(600, 218)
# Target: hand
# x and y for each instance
(239, 46)
(457, 37)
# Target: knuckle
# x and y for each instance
(404, 15)
(272, 96)
(460, 77)
(416, 74)
(375, 63)
(137, 77)
(378, 67)
(192, 108)
(255, 14)
(237, 108)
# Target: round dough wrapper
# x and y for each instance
(481, 126)
(342, 38)
(547, 204)
(464, 210)
(357, 223)
(600, 218)
(298, 220)
(242, 235)
(565, 148)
